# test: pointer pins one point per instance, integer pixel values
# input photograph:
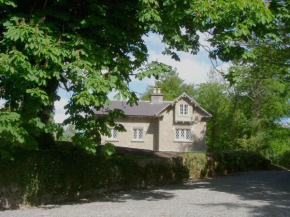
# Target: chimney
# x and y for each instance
(156, 96)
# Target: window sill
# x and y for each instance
(111, 140)
(183, 141)
(137, 141)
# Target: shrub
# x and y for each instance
(34, 175)
(220, 163)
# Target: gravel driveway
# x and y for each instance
(246, 194)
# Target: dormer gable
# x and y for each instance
(188, 110)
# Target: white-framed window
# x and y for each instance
(138, 133)
(183, 109)
(182, 134)
(114, 134)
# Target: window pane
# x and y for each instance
(185, 109)
(134, 133)
(115, 134)
(140, 134)
(187, 134)
(177, 134)
(181, 109)
(182, 134)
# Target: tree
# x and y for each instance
(213, 96)
(91, 48)
(69, 131)
(171, 85)
(263, 89)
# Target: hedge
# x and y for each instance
(35, 177)
(203, 165)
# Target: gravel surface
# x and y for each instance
(245, 194)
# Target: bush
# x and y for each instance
(36, 175)
(220, 163)
(54, 172)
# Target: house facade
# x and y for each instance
(158, 125)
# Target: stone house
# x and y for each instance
(178, 125)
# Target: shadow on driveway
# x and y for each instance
(272, 188)
(269, 187)
(265, 193)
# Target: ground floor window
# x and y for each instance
(114, 134)
(182, 135)
(138, 134)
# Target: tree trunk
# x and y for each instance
(46, 140)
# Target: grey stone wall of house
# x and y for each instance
(168, 126)
(159, 132)
(150, 133)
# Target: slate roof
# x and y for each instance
(144, 108)
(148, 109)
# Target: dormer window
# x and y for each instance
(183, 109)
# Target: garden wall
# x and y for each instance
(51, 176)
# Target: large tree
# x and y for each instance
(171, 84)
(91, 48)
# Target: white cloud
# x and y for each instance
(2, 101)
(59, 105)
(60, 115)
(59, 118)
(203, 40)
(190, 68)
(224, 67)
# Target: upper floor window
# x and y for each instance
(114, 134)
(183, 109)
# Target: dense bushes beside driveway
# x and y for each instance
(202, 165)
(48, 176)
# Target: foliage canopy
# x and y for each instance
(91, 48)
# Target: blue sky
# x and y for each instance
(191, 68)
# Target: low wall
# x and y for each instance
(39, 177)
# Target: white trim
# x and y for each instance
(191, 100)
(183, 109)
(183, 127)
(138, 128)
(112, 135)
(183, 141)
(182, 130)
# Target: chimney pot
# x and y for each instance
(156, 96)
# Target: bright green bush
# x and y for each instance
(219, 163)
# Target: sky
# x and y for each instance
(191, 68)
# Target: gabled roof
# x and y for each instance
(192, 101)
(144, 108)
(148, 109)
